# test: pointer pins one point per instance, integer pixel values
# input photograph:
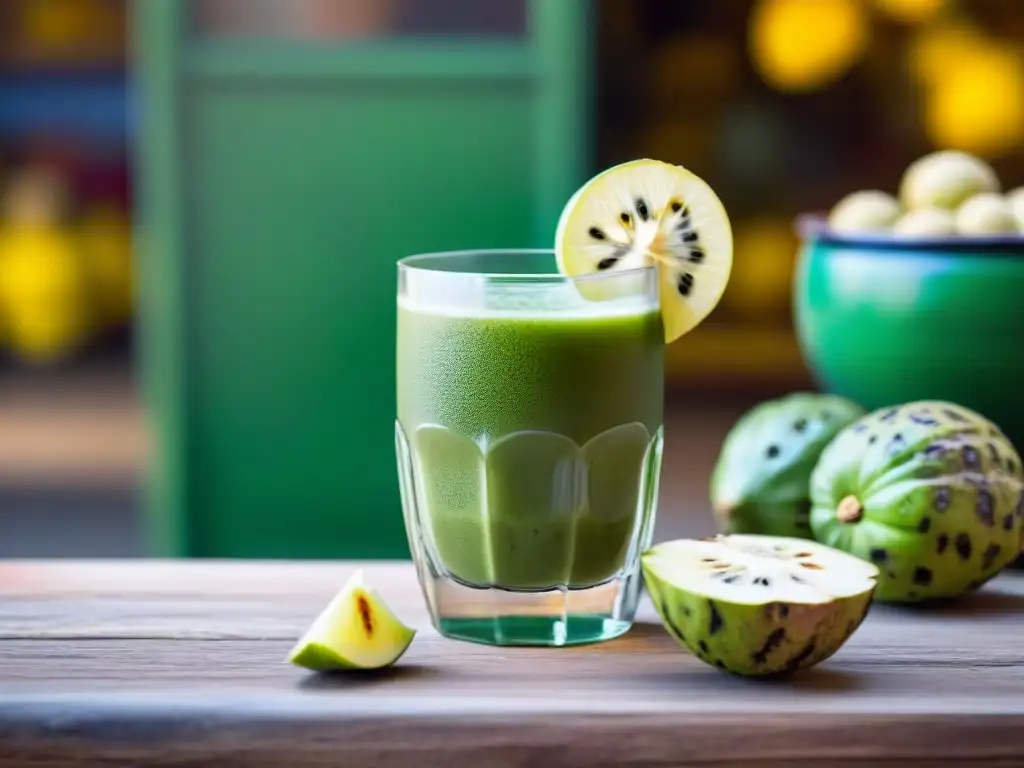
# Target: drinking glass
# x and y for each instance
(528, 439)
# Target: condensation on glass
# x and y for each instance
(358, 19)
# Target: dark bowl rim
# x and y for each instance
(814, 227)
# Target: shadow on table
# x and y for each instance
(358, 678)
(988, 601)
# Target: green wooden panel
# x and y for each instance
(279, 181)
(292, 292)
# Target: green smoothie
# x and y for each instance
(532, 436)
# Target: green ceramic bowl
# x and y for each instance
(885, 321)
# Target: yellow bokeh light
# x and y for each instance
(800, 45)
(765, 251)
(938, 48)
(910, 11)
(978, 106)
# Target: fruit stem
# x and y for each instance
(850, 510)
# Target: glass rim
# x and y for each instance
(411, 263)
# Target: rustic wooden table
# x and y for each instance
(159, 664)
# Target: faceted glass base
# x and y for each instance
(549, 618)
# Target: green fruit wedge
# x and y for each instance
(355, 631)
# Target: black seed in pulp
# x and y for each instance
(676, 205)
(879, 555)
(993, 452)
(963, 546)
(696, 255)
(691, 237)
(924, 525)
(596, 233)
(872, 439)
(989, 556)
(941, 543)
(625, 218)
(703, 647)
(772, 451)
(942, 499)
(1008, 522)
(641, 209)
(922, 417)
(800, 425)
(922, 576)
(607, 263)
(897, 443)
(685, 283)
(953, 415)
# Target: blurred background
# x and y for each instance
(217, 378)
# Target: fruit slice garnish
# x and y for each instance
(355, 631)
(648, 212)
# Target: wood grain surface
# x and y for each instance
(182, 664)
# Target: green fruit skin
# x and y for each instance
(319, 658)
(756, 640)
(755, 489)
(942, 492)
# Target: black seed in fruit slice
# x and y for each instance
(365, 614)
(1008, 522)
(989, 557)
(924, 525)
(934, 450)
(703, 647)
(897, 444)
(676, 206)
(691, 237)
(641, 209)
(685, 283)
(963, 546)
(984, 509)
(942, 499)
(941, 543)
(993, 452)
(625, 218)
(772, 451)
(922, 576)
(800, 425)
(879, 555)
(1011, 467)
(872, 439)
(953, 415)
(696, 256)
(596, 233)
(608, 262)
